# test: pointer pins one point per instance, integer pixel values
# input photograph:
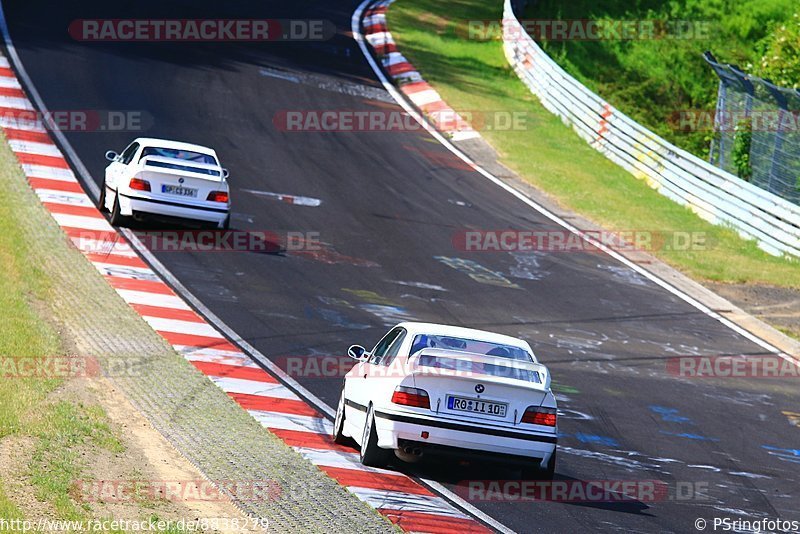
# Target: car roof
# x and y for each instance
(178, 145)
(468, 333)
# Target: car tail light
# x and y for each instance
(218, 196)
(139, 184)
(536, 415)
(411, 397)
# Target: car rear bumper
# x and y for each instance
(453, 438)
(137, 205)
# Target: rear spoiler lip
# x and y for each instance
(483, 358)
(183, 163)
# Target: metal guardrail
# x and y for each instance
(713, 194)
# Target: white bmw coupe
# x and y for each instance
(430, 389)
(156, 178)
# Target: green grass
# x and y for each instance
(474, 75)
(59, 431)
(649, 79)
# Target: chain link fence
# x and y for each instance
(757, 131)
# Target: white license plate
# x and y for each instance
(179, 190)
(462, 404)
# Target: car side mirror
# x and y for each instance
(111, 155)
(225, 173)
(357, 352)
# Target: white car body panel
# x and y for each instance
(160, 171)
(371, 384)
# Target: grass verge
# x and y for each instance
(474, 75)
(51, 439)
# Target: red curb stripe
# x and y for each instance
(70, 209)
(432, 523)
(114, 259)
(274, 404)
(311, 440)
(385, 48)
(380, 481)
(167, 313)
(109, 237)
(27, 135)
(415, 87)
(438, 105)
(38, 159)
(12, 91)
(207, 342)
(56, 185)
(234, 371)
(375, 27)
(400, 68)
(148, 286)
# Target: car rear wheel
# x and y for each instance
(535, 471)
(101, 202)
(338, 425)
(117, 219)
(371, 454)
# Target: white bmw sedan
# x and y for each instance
(156, 178)
(430, 389)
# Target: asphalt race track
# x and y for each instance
(391, 204)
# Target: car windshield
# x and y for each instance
(186, 155)
(422, 341)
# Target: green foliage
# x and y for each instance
(780, 61)
(742, 138)
(652, 79)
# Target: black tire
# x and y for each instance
(371, 454)
(101, 202)
(226, 224)
(535, 471)
(338, 424)
(117, 219)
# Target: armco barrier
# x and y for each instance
(713, 194)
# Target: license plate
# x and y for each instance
(462, 404)
(179, 190)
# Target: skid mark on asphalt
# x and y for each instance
(477, 272)
(419, 285)
(328, 84)
(787, 455)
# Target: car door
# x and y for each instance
(117, 169)
(363, 380)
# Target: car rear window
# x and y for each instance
(179, 167)
(174, 153)
(422, 341)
